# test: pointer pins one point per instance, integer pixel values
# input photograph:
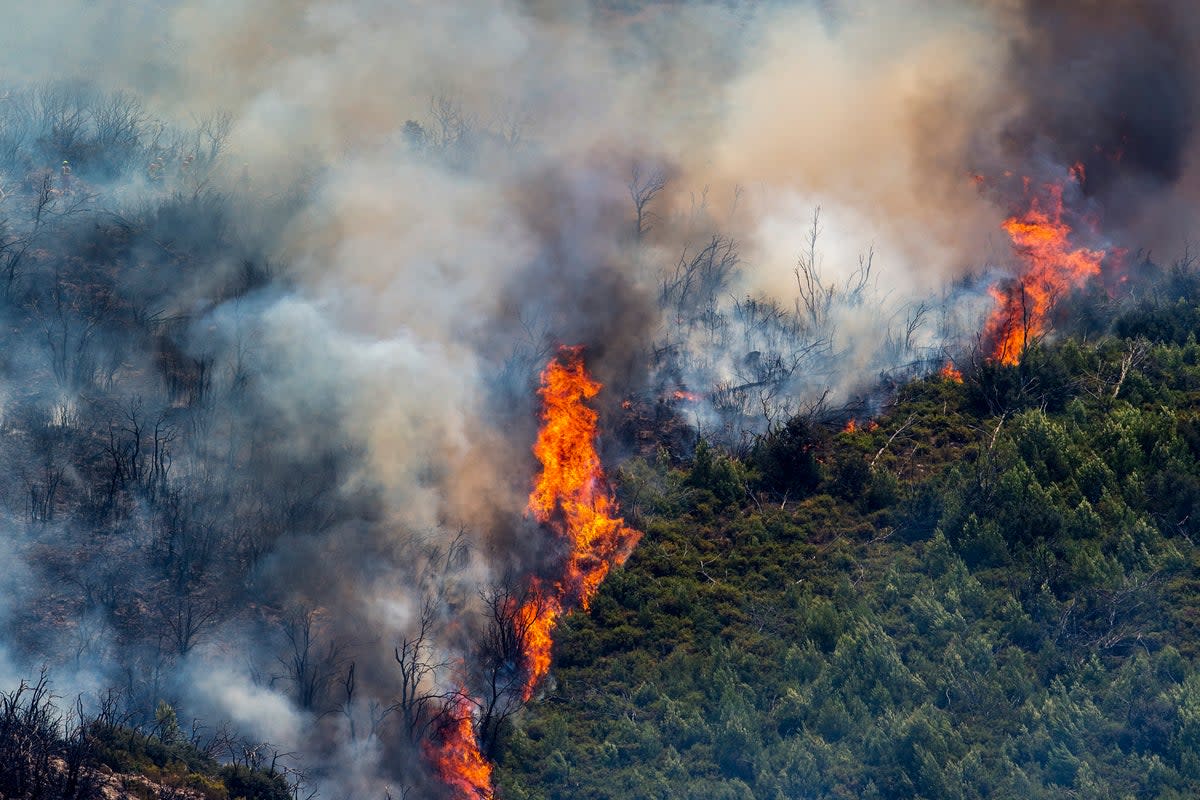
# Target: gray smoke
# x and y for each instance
(272, 333)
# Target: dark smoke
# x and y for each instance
(1111, 86)
(581, 282)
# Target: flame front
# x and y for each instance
(572, 497)
(951, 373)
(456, 758)
(1052, 268)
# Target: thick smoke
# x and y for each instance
(1110, 85)
(272, 333)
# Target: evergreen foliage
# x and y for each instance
(991, 594)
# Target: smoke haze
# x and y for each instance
(361, 228)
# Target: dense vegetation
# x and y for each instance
(990, 591)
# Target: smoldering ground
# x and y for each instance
(273, 336)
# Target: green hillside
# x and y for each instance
(991, 594)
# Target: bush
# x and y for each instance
(786, 458)
(243, 782)
(125, 749)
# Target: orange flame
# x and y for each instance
(572, 497)
(951, 373)
(851, 426)
(1052, 267)
(456, 757)
(685, 396)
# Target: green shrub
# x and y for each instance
(243, 782)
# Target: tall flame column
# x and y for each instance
(572, 499)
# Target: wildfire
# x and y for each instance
(456, 757)
(951, 373)
(572, 497)
(682, 396)
(1051, 268)
(852, 426)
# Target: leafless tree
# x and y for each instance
(1103, 384)
(351, 708)
(416, 691)
(186, 616)
(139, 452)
(44, 752)
(310, 666)
(452, 123)
(643, 188)
(120, 124)
(502, 652)
(914, 319)
(212, 131)
(64, 115)
(70, 326)
(816, 298)
(698, 279)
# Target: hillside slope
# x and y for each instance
(991, 591)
